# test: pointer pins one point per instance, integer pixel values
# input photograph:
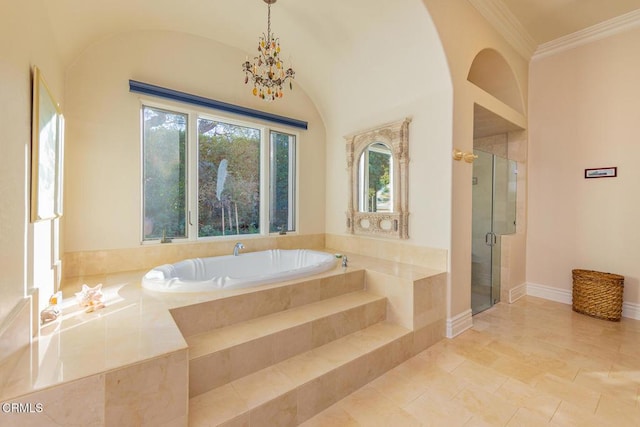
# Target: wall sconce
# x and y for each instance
(466, 156)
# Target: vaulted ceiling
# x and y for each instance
(327, 25)
(328, 42)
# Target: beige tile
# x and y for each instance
(590, 364)
(243, 420)
(618, 412)
(147, 393)
(216, 406)
(527, 397)
(527, 418)
(517, 369)
(398, 388)
(306, 293)
(479, 353)
(281, 411)
(436, 379)
(331, 417)
(399, 294)
(261, 386)
(305, 367)
(209, 372)
(251, 356)
(489, 408)
(424, 338)
(447, 361)
(292, 341)
(372, 408)
(621, 389)
(77, 403)
(435, 409)
(353, 375)
(569, 415)
(337, 352)
(567, 391)
(315, 396)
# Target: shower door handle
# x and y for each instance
(490, 239)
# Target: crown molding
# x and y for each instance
(501, 18)
(595, 32)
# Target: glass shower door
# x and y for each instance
(481, 248)
(494, 208)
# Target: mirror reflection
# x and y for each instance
(375, 186)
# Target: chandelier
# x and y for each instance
(267, 70)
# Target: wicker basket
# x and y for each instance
(598, 294)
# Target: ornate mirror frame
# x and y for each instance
(384, 224)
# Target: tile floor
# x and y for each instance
(531, 363)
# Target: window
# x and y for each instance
(282, 182)
(164, 135)
(241, 180)
(228, 179)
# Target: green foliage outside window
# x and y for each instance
(164, 136)
(229, 179)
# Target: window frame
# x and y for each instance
(192, 173)
(168, 109)
(292, 191)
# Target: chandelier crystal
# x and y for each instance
(267, 70)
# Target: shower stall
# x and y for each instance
(494, 214)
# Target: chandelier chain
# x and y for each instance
(269, 23)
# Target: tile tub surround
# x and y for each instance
(127, 361)
(15, 351)
(149, 393)
(390, 250)
(91, 263)
(135, 336)
(342, 342)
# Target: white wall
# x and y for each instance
(102, 191)
(395, 68)
(25, 40)
(465, 33)
(584, 114)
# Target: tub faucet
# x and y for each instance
(344, 261)
(237, 248)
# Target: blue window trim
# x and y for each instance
(162, 92)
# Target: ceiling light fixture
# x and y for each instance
(267, 70)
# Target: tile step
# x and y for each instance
(292, 391)
(239, 305)
(225, 354)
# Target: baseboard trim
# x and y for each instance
(460, 323)
(518, 292)
(547, 292)
(630, 310)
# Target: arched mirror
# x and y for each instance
(377, 161)
(375, 172)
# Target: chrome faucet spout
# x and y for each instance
(236, 248)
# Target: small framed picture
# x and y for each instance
(601, 172)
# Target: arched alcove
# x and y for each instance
(491, 72)
(498, 132)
